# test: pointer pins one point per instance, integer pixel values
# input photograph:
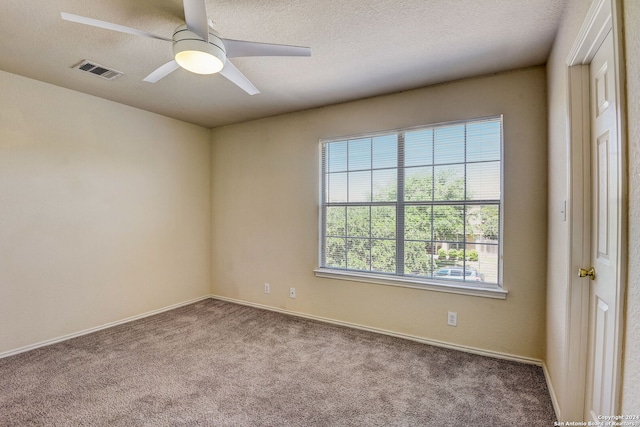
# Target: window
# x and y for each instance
(422, 204)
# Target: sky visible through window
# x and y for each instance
(360, 169)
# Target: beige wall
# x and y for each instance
(104, 212)
(557, 279)
(631, 378)
(265, 215)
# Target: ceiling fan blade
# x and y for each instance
(109, 26)
(162, 71)
(195, 14)
(238, 48)
(236, 77)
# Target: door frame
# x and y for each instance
(603, 15)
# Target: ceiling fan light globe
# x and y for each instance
(199, 62)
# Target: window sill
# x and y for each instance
(415, 283)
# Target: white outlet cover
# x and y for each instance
(452, 318)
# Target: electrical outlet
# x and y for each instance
(267, 288)
(292, 292)
(452, 318)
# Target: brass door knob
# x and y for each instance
(591, 273)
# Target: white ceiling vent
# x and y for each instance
(98, 70)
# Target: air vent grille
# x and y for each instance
(98, 70)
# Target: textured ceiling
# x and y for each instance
(359, 49)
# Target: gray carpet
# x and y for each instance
(215, 363)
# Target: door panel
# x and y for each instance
(603, 195)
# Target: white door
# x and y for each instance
(605, 196)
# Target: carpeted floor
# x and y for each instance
(214, 363)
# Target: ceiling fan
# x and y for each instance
(198, 49)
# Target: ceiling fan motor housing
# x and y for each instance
(193, 53)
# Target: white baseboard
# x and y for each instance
(467, 349)
(552, 393)
(98, 328)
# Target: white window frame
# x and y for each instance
(488, 290)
